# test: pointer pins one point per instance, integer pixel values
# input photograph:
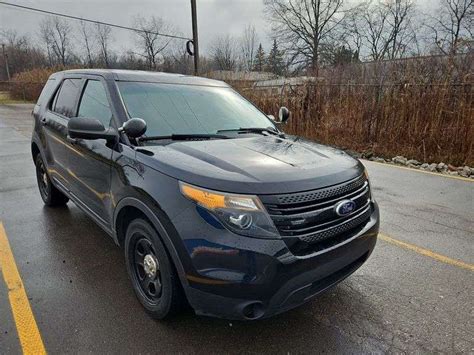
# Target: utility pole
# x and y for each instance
(5, 57)
(195, 37)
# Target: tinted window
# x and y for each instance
(46, 92)
(64, 102)
(94, 103)
(180, 109)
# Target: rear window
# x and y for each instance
(46, 92)
(66, 98)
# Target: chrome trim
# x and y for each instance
(365, 208)
(318, 211)
(289, 257)
(341, 219)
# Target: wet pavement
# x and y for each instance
(401, 300)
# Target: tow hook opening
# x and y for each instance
(253, 311)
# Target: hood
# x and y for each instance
(254, 164)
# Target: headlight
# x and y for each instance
(366, 173)
(242, 214)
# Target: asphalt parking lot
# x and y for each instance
(415, 294)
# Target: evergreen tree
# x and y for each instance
(275, 61)
(342, 55)
(259, 62)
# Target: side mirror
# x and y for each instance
(89, 128)
(134, 127)
(283, 114)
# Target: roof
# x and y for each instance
(146, 76)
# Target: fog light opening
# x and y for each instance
(253, 311)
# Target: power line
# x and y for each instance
(91, 21)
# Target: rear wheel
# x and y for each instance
(153, 276)
(51, 195)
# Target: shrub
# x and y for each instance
(28, 85)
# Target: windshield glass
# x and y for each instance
(184, 109)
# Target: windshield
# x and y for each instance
(184, 109)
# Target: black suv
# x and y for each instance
(213, 204)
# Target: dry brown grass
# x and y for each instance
(422, 109)
(429, 119)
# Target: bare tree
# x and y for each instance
(130, 60)
(382, 29)
(453, 25)
(224, 54)
(352, 34)
(303, 26)
(20, 53)
(401, 33)
(88, 40)
(103, 35)
(248, 46)
(56, 34)
(376, 31)
(152, 44)
(177, 59)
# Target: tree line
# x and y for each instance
(306, 35)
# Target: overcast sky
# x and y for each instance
(214, 16)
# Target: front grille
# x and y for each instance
(340, 228)
(309, 218)
(323, 193)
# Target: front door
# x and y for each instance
(91, 168)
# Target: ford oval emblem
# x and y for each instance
(345, 207)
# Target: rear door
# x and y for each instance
(54, 122)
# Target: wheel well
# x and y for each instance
(125, 216)
(34, 151)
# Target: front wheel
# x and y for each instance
(51, 195)
(153, 276)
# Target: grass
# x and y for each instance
(423, 111)
(5, 99)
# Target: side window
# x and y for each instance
(66, 97)
(46, 92)
(94, 103)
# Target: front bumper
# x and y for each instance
(243, 278)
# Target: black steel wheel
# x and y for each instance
(151, 271)
(147, 268)
(49, 193)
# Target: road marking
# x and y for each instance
(427, 252)
(421, 171)
(30, 337)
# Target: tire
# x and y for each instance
(160, 293)
(51, 196)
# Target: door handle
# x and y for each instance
(44, 121)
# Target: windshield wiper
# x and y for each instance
(183, 137)
(252, 130)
